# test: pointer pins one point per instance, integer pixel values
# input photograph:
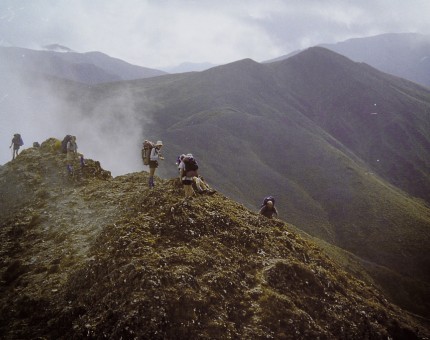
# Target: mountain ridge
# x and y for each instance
(88, 68)
(406, 55)
(96, 256)
(311, 139)
(335, 165)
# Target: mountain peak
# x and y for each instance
(100, 255)
(57, 48)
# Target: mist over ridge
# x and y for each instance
(317, 130)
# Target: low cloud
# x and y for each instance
(164, 33)
(110, 131)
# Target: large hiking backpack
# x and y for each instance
(64, 143)
(17, 140)
(146, 151)
(267, 199)
(190, 163)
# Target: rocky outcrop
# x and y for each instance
(101, 257)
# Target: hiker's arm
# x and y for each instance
(153, 156)
(181, 170)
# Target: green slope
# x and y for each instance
(95, 256)
(304, 130)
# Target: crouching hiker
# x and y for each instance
(268, 208)
(201, 187)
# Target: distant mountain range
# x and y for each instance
(189, 67)
(88, 68)
(344, 147)
(405, 55)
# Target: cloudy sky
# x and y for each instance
(163, 33)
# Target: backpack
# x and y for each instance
(17, 140)
(146, 151)
(64, 143)
(267, 199)
(190, 163)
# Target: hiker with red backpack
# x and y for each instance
(268, 208)
(17, 143)
(151, 154)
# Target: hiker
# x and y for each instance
(72, 153)
(178, 163)
(268, 208)
(17, 143)
(66, 139)
(187, 170)
(200, 186)
(155, 155)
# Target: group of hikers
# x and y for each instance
(151, 154)
(69, 146)
(189, 177)
(187, 167)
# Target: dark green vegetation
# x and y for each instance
(92, 256)
(345, 149)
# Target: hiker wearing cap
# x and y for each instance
(153, 161)
(268, 208)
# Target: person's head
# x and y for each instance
(269, 204)
(179, 159)
(159, 144)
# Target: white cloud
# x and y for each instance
(166, 32)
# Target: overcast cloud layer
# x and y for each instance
(159, 34)
(162, 33)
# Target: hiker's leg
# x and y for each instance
(188, 191)
(151, 177)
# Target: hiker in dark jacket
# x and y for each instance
(16, 142)
(269, 209)
(153, 161)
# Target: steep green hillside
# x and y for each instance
(95, 256)
(382, 119)
(306, 130)
(343, 147)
